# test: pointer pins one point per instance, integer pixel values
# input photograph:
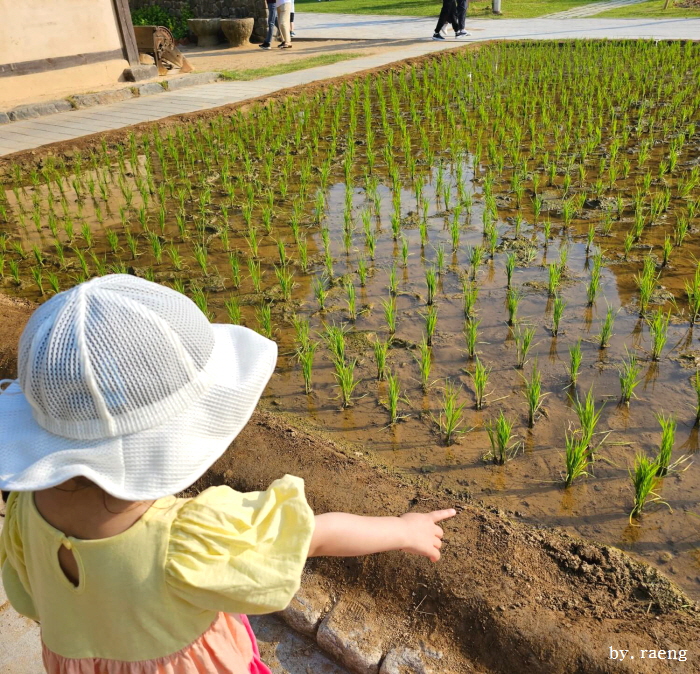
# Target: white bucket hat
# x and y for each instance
(127, 383)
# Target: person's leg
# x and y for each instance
(283, 15)
(446, 14)
(461, 14)
(271, 19)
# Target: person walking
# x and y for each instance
(461, 15)
(284, 9)
(448, 14)
(271, 21)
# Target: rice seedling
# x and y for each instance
(255, 274)
(235, 266)
(646, 282)
(606, 328)
(381, 350)
(334, 336)
(14, 271)
(431, 317)
(431, 281)
(305, 355)
(629, 377)
(38, 276)
(389, 307)
(523, 344)
(680, 231)
(471, 327)
(320, 292)
(476, 257)
(578, 458)
(696, 387)
(53, 282)
(440, 258)
(510, 266)
(451, 413)
(668, 436)
(503, 445)
(345, 377)
(645, 483)
(513, 298)
(575, 358)
(285, 278)
(394, 397)
(555, 272)
(658, 329)
(470, 291)
(533, 394)
(593, 285)
(201, 256)
(393, 281)
(199, 298)
(263, 314)
(233, 310)
(424, 360)
(588, 417)
(480, 377)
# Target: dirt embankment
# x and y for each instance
(513, 598)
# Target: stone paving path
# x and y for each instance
(25, 135)
(19, 136)
(592, 9)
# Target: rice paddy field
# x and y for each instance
(481, 269)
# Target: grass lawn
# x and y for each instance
(653, 9)
(512, 9)
(283, 68)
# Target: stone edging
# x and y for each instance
(81, 101)
(345, 630)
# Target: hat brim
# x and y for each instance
(154, 462)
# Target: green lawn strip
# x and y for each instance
(512, 9)
(653, 9)
(283, 68)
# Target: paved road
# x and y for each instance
(365, 26)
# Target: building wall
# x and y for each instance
(35, 30)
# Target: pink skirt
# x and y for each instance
(227, 647)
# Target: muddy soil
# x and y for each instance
(510, 596)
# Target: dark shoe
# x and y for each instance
(265, 45)
(437, 36)
(281, 45)
(462, 33)
(286, 45)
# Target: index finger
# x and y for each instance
(439, 515)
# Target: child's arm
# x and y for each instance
(344, 535)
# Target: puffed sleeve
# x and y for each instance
(14, 572)
(241, 553)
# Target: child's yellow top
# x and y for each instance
(162, 582)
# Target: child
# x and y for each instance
(127, 394)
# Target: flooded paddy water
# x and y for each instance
(354, 221)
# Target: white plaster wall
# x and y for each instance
(38, 29)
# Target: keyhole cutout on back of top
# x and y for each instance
(68, 563)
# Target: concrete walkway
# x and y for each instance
(365, 26)
(19, 136)
(592, 9)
